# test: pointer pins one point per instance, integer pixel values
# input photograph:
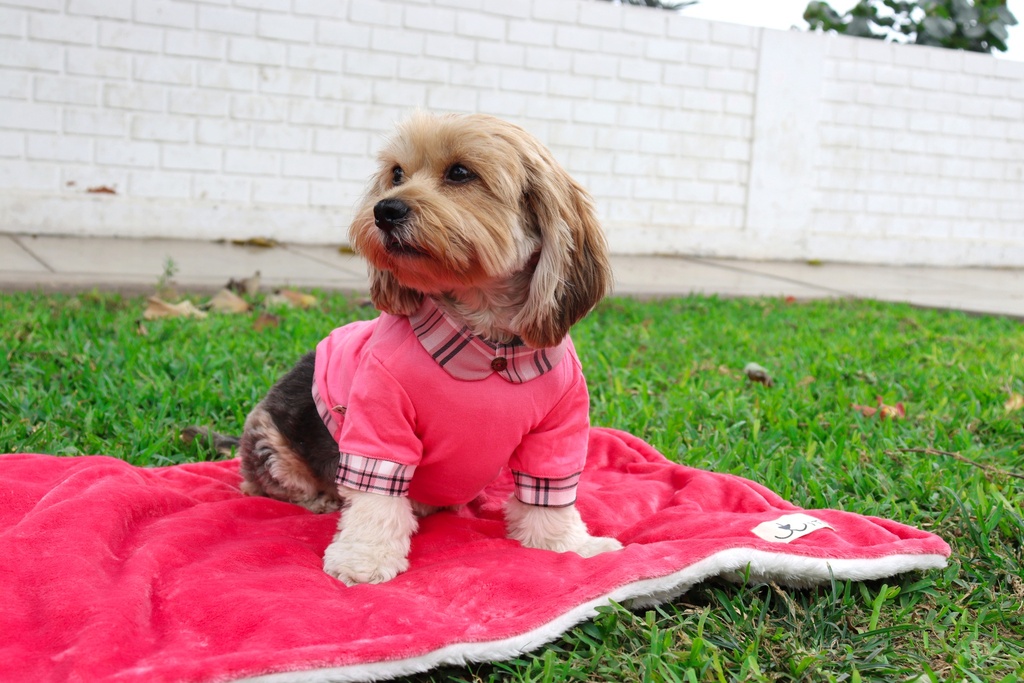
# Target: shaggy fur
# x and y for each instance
(475, 213)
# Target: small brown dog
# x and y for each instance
(482, 253)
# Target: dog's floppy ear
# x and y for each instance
(572, 272)
(388, 295)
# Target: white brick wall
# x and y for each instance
(238, 118)
(921, 150)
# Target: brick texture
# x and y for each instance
(274, 108)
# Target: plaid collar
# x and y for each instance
(468, 357)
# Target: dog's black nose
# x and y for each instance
(389, 213)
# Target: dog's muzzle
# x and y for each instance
(389, 214)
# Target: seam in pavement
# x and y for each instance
(779, 278)
(17, 240)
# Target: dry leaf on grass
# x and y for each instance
(1014, 403)
(289, 297)
(756, 373)
(883, 411)
(896, 412)
(1017, 585)
(265, 320)
(158, 308)
(226, 301)
(248, 286)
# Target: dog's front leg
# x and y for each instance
(372, 543)
(553, 528)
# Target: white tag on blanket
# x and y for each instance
(788, 528)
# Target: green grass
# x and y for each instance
(78, 377)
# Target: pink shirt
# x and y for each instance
(420, 407)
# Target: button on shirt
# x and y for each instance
(421, 407)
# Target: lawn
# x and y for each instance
(81, 374)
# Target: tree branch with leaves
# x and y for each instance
(974, 25)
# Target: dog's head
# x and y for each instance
(466, 205)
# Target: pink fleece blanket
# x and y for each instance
(112, 572)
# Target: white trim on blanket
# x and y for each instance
(733, 564)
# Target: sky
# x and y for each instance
(782, 14)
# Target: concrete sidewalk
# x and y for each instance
(80, 263)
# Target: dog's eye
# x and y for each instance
(397, 175)
(458, 174)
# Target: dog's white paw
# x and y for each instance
(595, 545)
(357, 563)
(558, 529)
(373, 539)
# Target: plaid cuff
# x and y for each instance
(554, 493)
(373, 475)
